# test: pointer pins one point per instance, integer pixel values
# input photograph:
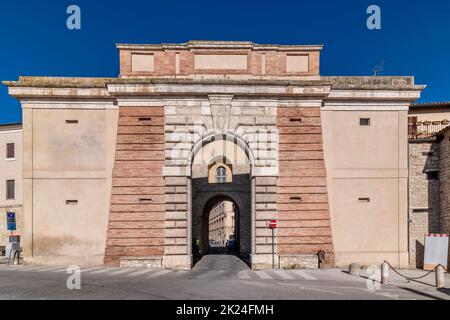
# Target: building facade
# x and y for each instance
(426, 119)
(429, 181)
(222, 222)
(11, 176)
(430, 111)
(424, 196)
(124, 170)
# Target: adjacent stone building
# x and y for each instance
(123, 170)
(429, 181)
(444, 174)
(11, 178)
(430, 111)
(424, 195)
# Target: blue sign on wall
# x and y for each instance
(11, 221)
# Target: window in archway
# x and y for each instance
(221, 175)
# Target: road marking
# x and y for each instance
(91, 269)
(48, 269)
(283, 274)
(389, 295)
(32, 268)
(263, 275)
(244, 275)
(319, 288)
(159, 273)
(61, 269)
(211, 274)
(304, 275)
(140, 272)
(103, 270)
(113, 273)
(13, 268)
(180, 273)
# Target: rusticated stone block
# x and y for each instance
(306, 261)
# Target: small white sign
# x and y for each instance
(436, 251)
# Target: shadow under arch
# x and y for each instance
(214, 200)
(209, 205)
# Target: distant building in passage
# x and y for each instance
(11, 177)
(221, 222)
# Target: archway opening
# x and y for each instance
(224, 231)
(222, 228)
(221, 191)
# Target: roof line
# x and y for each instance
(219, 44)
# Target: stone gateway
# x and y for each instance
(124, 171)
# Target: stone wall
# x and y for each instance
(305, 261)
(265, 210)
(424, 197)
(136, 218)
(303, 211)
(176, 237)
(445, 182)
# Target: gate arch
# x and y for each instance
(204, 192)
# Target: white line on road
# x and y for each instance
(122, 271)
(13, 268)
(48, 269)
(244, 275)
(61, 269)
(304, 275)
(103, 270)
(263, 275)
(211, 274)
(140, 272)
(325, 289)
(283, 274)
(91, 269)
(159, 273)
(31, 268)
(180, 273)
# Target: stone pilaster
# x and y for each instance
(265, 210)
(177, 254)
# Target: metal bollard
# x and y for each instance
(384, 273)
(440, 277)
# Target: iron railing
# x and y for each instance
(425, 129)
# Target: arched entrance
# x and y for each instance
(221, 171)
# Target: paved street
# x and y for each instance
(214, 277)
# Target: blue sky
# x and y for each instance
(414, 39)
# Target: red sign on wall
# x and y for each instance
(273, 224)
